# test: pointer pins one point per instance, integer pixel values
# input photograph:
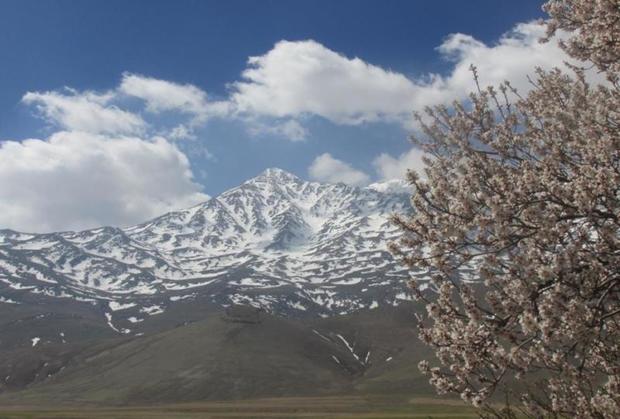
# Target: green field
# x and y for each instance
(291, 407)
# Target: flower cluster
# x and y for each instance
(595, 25)
(525, 192)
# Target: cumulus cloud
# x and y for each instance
(301, 78)
(76, 180)
(389, 167)
(166, 96)
(96, 112)
(105, 165)
(305, 77)
(326, 168)
(514, 57)
(84, 111)
(161, 95)
(296, 79)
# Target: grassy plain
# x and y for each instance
(272, 408)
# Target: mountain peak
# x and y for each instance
(276, 242)
(275, 174)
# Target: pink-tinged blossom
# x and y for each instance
(525, 192)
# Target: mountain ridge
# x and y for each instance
(289, 246)
(276, 287)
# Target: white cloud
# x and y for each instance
(301, 78)
(107, 165)
(103, 167)
(389, 167)
(295, 78)
(161, 95)
(290, 129)
(76, 180)
(514, 57)
(84, 111)
(326, 168)
(166, 96)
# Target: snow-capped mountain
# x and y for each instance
(289, 246)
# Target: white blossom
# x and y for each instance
(525, 191)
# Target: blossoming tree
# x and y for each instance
(524, 192)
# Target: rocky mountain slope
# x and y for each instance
(276, 287)
(291, 247)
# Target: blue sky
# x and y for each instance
(91, 79)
